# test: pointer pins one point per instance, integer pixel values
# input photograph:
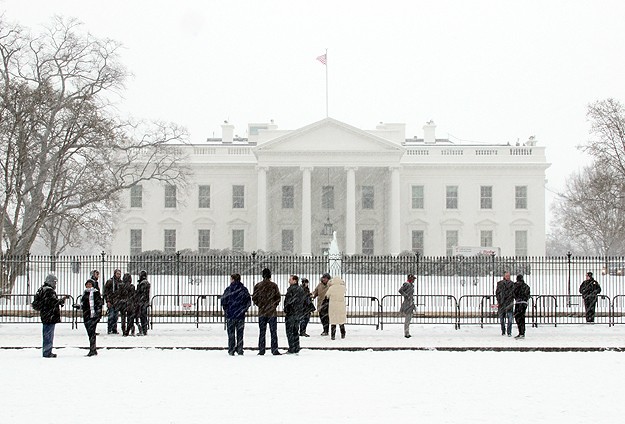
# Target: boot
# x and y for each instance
(333, 331)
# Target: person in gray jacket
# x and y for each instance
(407, 305)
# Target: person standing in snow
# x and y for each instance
(91, 306)
(49, 307)
(322, 302)
(589, 289)
(293, 310)
(407, 305)
(505, 303)
(337, 312)
(521, 292)
(309, 308)
(267, 297)
(111, 295)
(128, 293)
(143, 301)
(235, 301)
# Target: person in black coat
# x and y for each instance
(128, 294)
(49, 307)
(235, 301)
(294, 302)
(505, 303)
(521, 292)
(91, 306)
(589, 290)
(309, 308)
(143, 301)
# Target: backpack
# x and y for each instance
(38, 300)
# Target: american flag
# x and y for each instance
(323, 58)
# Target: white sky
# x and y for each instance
(484, 71)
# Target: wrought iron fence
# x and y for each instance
(450, 290)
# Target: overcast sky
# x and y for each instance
(484, 71)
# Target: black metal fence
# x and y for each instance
(449, 290)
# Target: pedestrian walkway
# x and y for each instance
(580, 337)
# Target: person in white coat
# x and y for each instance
(337, 310)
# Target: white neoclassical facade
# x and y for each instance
(383, 193)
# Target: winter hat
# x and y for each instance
(266, 273)
(51, 280)
(143, 275)
(519, 278)
(589, 274)
(411, 277)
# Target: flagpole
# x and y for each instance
(327, 114)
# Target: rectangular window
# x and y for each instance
(203, 241)
(417, 197)
(486, 238)
(486, 197)
(238, 197)
(417, 242)
(287, 241)
(170, 196)
(136, 196)
(451, 241)
(238, 240)
(204, 196)
(327, 197)
(367, 242)
(451, 200)
(169, 244)
(368, 197)
(520, 243)
(520, 197)
(135, 242)
(288, 197)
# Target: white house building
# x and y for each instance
(287, 191)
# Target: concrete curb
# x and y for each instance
(361, 349)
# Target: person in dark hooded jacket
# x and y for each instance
(49, 306)
(235, 301)
(589, 290)
(91, 306)
(294, 302)
(143, 302)
(129, 305)
(521, 293)
(111, 296)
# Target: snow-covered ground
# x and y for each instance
(190, 385)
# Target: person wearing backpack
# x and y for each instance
(49, 307)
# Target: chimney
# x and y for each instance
(429, 129)
(227, 132)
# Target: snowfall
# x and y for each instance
(183, 374)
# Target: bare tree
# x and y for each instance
(63, 144)
(89, 226)
(592, 210)
(607, 118)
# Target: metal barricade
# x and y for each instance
(17, 309)
(474, 309)
(431, 309)
(569, 309)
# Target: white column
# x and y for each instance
(394, 213)
(261, 209)
(306, 212)
(350, 212)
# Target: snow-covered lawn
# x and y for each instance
(150, 385)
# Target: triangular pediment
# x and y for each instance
(169, 221)
(329, 135)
